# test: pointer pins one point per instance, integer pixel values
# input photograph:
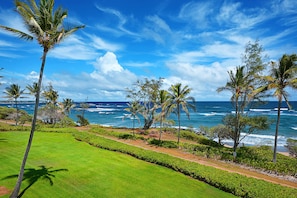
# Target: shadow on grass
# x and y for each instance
(33, 175)
(3, 140)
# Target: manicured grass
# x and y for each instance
(80, 170)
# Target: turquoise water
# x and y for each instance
(207, 114)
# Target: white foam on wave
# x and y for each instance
(258, 140)
(100, 109)
(260, 110)
(294, 128)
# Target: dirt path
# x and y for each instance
(230, 167)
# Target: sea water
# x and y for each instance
(207, 114)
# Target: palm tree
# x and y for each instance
(283, 74)
(237, 85)
(178, 99)
(45, 25)
(67, 105)
(33, 89)
(163, 100)
(51, 95)
(14, 92)
(134, 108)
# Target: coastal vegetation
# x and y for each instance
(60, 153)
(147, 98)
(243, 84)
(283, 74)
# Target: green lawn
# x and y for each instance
(79, 170)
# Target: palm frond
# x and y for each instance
(21, 34)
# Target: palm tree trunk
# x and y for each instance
(17, 112)
(276, 129)
(22, 169)
(161, 124)
(236, 135)
(178, 117)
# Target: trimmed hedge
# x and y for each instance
(236, 184)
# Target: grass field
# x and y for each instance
(79, 170)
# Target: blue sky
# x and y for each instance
(192, 42)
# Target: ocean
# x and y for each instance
(208, 114)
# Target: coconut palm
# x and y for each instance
(134, 108)
(67, 105)
(178, 99)
(237, 86)
(33, 89)
(51, 95)
(163, 101)
(45, 25)
(283, 74)
(14, 92)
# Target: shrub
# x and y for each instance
(292, 147)
(163, 143)
(82, 121)
(236, 184)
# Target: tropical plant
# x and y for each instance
(283, 74)
(163, 105)
(292, 147)
(81, 118)
(51, 112)
(14, 92)
(242, 85)
(133, 108)
(67, 105)
(147, 93)
(50, 95)
(45, 25)
(33, 89)
(179, 100)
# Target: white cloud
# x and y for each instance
(108, 63)
(33, 76)
(122, 20)
(198, 13)
(74, 48)
(203, 79)
(100, 44)
(106, 83)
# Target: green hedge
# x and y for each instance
(236, 184)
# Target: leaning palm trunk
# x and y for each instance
(21, 174)
(276, 130)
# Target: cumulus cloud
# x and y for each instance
(203, 79)
(106, 82)
(108, 63)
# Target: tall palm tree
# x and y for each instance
(282, 75)
(163, 101)
(14, 92)
(237, 85)
(178, 99)
(45, 25)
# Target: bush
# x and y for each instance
(9, 127)
(163, 143)
(292, 147)
(236, 184)
(82, 121)
(66, 122)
